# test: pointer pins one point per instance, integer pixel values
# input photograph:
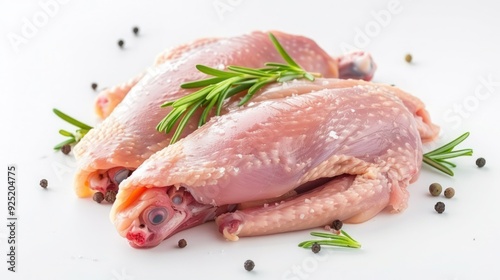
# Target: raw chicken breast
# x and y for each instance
(315, 152)
(111, 151)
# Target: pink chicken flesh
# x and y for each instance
(309, 154)
(127, 137)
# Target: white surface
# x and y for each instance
(454, 46)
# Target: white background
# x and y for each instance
(455, 49)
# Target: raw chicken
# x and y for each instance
(314, 152)
(111, 151)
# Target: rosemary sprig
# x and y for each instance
(223, 85)
(73, 138)
(438, 157)
(340, 240)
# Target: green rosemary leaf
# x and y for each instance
(253, 89)
(168, 103)
(438, 166)
(168, 122)
(449, 146)
(309, 76)
(274, 65)
(282, 51)
(347, 235)
(221, 87)
(249, 71)
(230, 92)
(442, 161)
(194, 97)
(66, 133)
(289, 78)
(202, 83)
(452, 154)
(325, 235)
(71, 120)
(206, 112)
(247, 82)
(184, 121)
(237, 89)
(215, 72)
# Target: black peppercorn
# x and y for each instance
(121, 43)
(135, 30)
(44, 183)
(480, 162)
(439, 207)
(337, 225)
(98, 197)
(316, 248)
(66, 149)
(182, 243)
(94, 86)
(249, 265)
